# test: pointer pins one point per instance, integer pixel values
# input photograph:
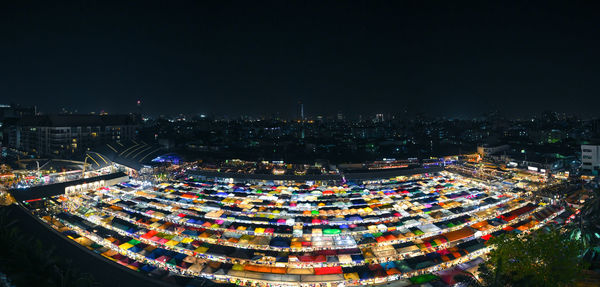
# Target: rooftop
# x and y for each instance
(76, 120)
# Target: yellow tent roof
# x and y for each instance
(172, 243)
(125, 246)
(201, 249)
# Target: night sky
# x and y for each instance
(256, 57)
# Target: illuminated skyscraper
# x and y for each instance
(300, 111)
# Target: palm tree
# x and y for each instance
(40, 264)
(587, 228)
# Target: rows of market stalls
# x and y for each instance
(400, 229)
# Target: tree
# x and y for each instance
(29, 263)
(488, 278)
(586, 228)
(543, 258)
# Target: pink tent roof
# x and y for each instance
(163, 259)
(448, 275)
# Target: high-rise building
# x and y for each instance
(9, 114)
(65, 135)
(300, 111)
(139, 106)
(590, 158)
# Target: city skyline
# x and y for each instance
(299, 114)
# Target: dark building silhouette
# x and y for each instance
(66, 135)
(9, 114)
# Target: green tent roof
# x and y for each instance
(133, 242)
(423, 278)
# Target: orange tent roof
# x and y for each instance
(459, 234)
(479, 224)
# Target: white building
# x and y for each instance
(590, 158)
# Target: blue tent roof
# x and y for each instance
(388, 265)
(147, 268)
